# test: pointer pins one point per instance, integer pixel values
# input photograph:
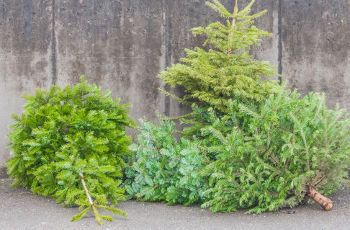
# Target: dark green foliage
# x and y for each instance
(166, 169)
(66, 132)
(249, 143)
(274, 152)
(225, 69)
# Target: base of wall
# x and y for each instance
(3, 173)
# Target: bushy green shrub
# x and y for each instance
(225, 69)
(67, 136)
(274, 153)
(165, 169)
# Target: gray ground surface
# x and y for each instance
(19, 209)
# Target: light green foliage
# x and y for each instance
(66, 132)
(165, 169)
(274, 152)
(225, 69)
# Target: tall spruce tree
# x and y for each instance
(224, 68)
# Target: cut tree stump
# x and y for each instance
(325, 202)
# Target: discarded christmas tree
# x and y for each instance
(269, 148)
(165, 169)
(70, 144)
(288, 149)
(224, 69)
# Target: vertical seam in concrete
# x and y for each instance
(168, 49)
(53, 56)
(280, 50)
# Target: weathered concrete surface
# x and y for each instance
(117, 44)
(24, 57)
(316, 45)
(24, 210)
(123, 44)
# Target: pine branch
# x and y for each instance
(94, 207)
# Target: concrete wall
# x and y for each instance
(123, 44)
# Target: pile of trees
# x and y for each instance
(256, 144)
(249, 143)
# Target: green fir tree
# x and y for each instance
(70, 144)
(224, 68)
(276, 155)
(166, 169)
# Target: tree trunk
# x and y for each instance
(325, 202)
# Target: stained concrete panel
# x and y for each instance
(24, 57)
(116, 44)
(316, 43)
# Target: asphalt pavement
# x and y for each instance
(20, 209)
